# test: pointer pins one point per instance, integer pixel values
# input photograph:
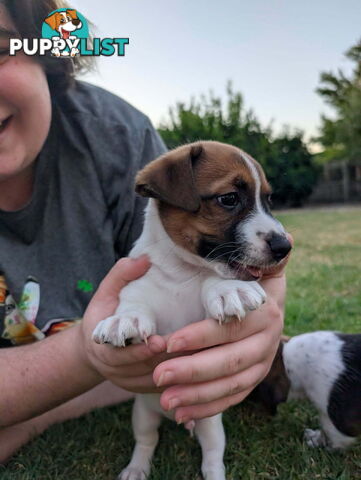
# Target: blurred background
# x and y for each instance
(280, 79)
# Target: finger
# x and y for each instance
(141, 384)
(184, 414)
(157, 344)
(216, 362)
(135, 370)
(290, 239)
(126, 356)
(183, 395)
(123, 272)
(208, 333)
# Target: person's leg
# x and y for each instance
(13, 437)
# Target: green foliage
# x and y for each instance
(288, 164)
(342, 136)
(290, 169)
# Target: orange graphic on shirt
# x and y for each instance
(3, 289)
(19, 320)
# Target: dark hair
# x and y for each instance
(28, 17)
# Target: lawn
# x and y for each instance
(324, 292)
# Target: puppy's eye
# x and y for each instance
(62, 20)
(228, 200)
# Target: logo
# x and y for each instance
(65, 34)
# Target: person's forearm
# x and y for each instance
(37, 377)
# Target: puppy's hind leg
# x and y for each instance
(210, 434)
(329, 437)
(145, 427)
(335, 439)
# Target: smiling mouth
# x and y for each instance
(241, 269)
(65, 33)
(4, 123)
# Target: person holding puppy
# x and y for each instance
(68, 217)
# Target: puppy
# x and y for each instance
(64, 23)
(324, 367)
(209, 233)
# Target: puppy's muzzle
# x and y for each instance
(279, 246)
(75, 21)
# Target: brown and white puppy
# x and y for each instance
(209, 233)
(325, 368)
(64, 23)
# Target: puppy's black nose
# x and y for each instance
(279, 246)
(75, 21)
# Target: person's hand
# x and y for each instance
(130, 367)
(237, 356)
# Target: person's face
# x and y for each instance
(25, 106)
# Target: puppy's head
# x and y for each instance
(64, 22)
(274, 389)
(213, 200)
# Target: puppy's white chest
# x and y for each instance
(175, 304)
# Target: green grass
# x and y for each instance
(324, 292)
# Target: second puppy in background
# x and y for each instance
(325, 368)
(209, 234)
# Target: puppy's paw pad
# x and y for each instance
(119, 328)
(132, 473)
(314, 438)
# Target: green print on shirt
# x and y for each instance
(84, 285)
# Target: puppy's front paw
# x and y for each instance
(55, 52)
(315, 438)
(229, 298)
(121, 327)
(132, 473)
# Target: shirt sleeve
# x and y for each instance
(129, 229)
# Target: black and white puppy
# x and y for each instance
(324, 367)
(209, 233)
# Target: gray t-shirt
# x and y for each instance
(83, 214)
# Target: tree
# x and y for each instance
(342, 136)
(291, 170)
(288, 164)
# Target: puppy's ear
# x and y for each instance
(72, 13)
(170, 178)
(53, 21)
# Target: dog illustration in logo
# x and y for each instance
(64, 23)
